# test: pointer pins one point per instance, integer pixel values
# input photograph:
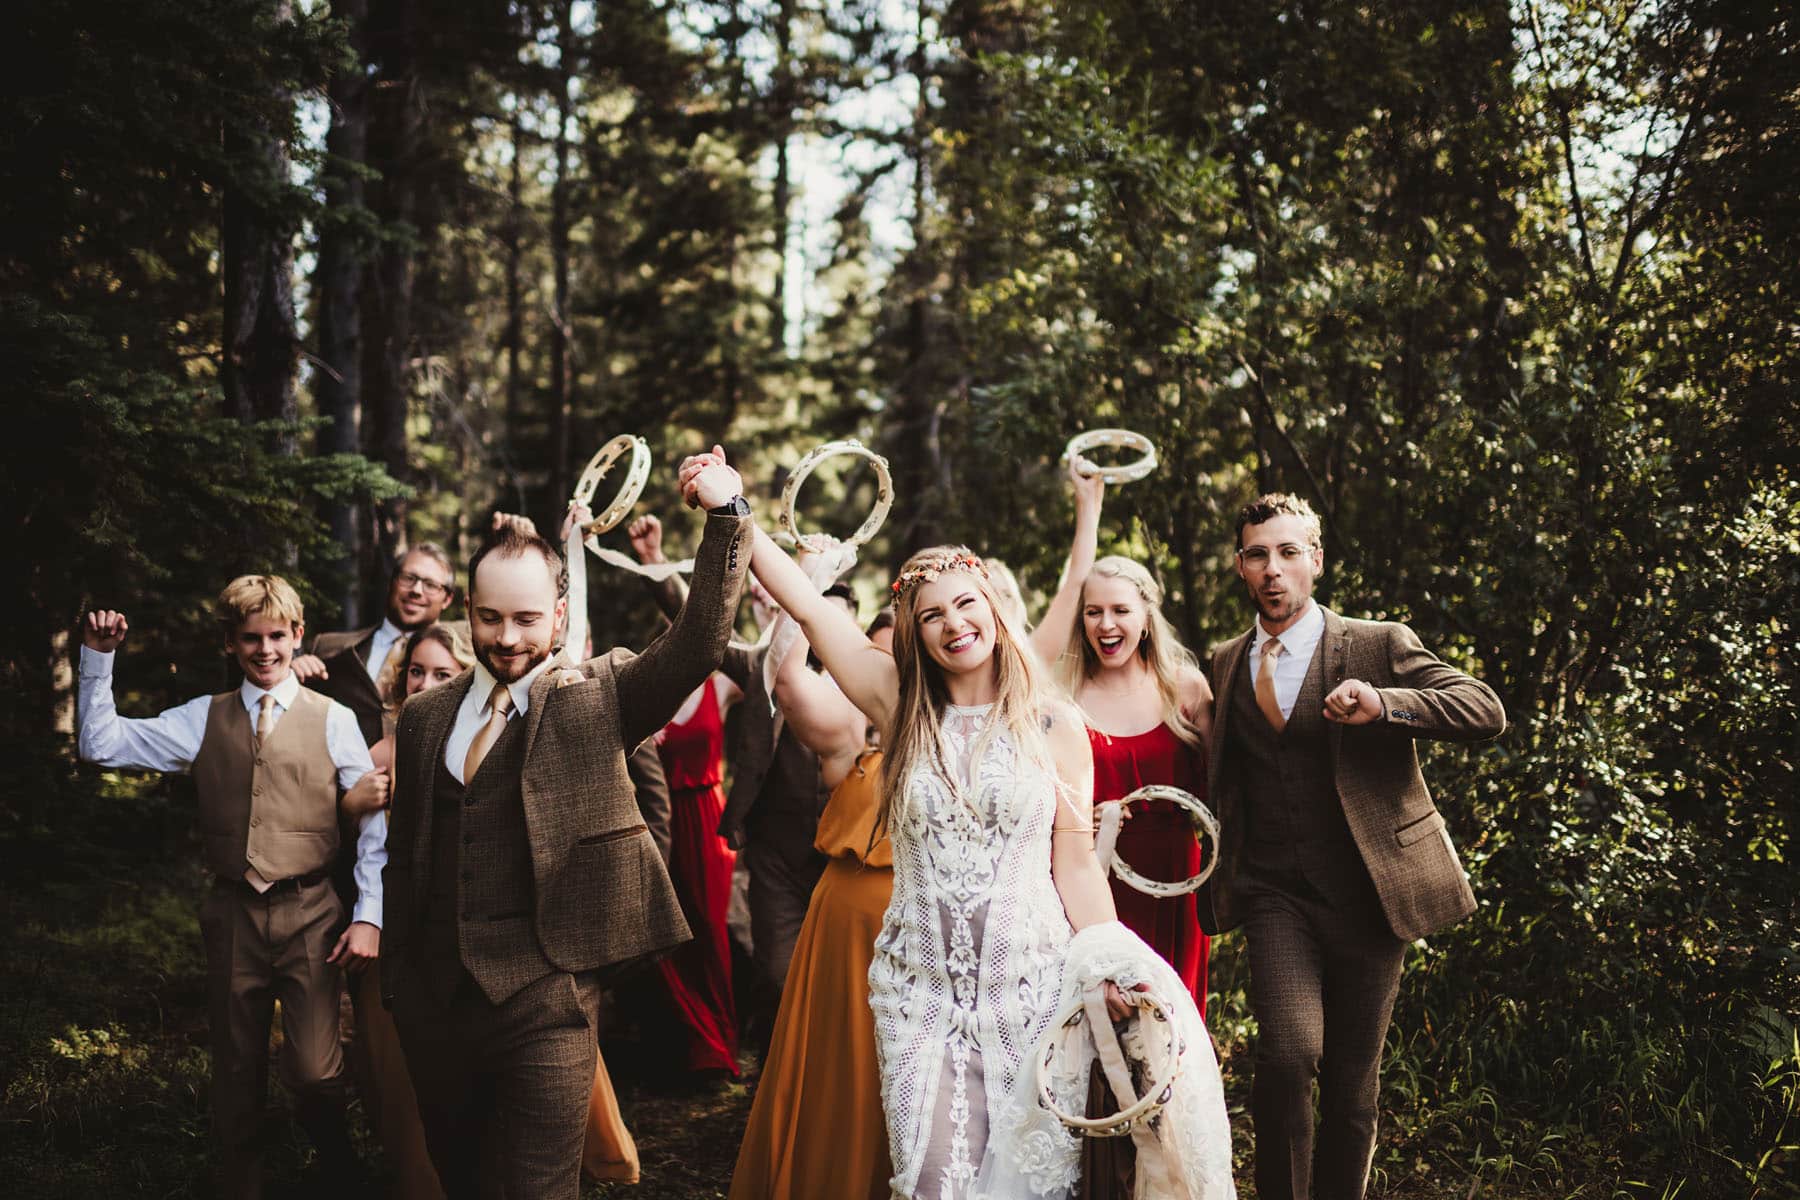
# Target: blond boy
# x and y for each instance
(269, 760)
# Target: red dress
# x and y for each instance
(698, 973)
(1159, 843)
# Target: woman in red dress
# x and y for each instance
(698, 973)
(1148, 709)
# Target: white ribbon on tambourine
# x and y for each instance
(1110, 816)
(609, 517)
(1121, 439)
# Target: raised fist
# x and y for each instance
(103, 630)
(646, 539)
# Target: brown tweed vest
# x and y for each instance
(479, 915)
(1296, 819)
(275, 810)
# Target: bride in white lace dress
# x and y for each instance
(986, 790)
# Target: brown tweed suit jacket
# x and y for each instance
(750, 734)
(600, 893)
(1397, 828)
(347, 678)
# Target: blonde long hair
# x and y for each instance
(914, 738)
(1160, 649)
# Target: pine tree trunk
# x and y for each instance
(261, 336)
(396, 134)
(561, 411)
(338, 281)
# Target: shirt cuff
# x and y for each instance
(368, 909)
(96, 662)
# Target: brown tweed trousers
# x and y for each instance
(581, 887)
(1333, 857)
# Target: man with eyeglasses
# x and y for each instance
(1333, 856)
(348, 666)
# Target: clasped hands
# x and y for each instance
(707, 481)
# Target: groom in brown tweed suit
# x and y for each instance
(519, 870)
(1333, 855)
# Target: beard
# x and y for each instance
(514, 668)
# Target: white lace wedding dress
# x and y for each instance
(968, 972)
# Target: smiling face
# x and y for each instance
(954, 622)
(419, 591)
(1113, 619)
(1279, 562)
(264, 648)
(515, 615)
(431, 664)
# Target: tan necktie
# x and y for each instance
(265, 719)
(499, 705)
(391, 663)
(265, 725)
(1265, 685)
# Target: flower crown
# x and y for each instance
(929, 569)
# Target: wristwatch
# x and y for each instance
(737, 506)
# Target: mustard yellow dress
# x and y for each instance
(816, 1127)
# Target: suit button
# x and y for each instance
(468, 839)
(469, 801)
(260, 762)
(255, 821)
(468, 876)
(257, 790)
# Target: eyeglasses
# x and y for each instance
(1256, 557)
(431, 587)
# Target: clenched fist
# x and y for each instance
(103, 630)
(369, 794)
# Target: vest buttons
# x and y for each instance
(255, 821)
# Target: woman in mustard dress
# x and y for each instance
(816, 1128)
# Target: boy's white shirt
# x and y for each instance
(170, 741)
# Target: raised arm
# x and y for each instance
(821, 716)
(166, 742)
(865, 672)
(1052, 633)
(739, 663)
(652, 685)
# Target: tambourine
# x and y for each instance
(1122, 439)
(1154, 1046)
(1204, 824)
(884, 490)
(636, 476)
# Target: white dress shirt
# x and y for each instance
(380, 642)
(170, 740)
(473, 714)
(1297, 646)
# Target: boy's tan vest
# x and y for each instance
(275, 810)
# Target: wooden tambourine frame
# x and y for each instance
(1120, 439)
(1205, 824)
(636, 476)
(884, 490)
(1161, 1039)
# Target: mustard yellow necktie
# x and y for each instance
(499, 706)
(265, 725)
(1265, 685)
